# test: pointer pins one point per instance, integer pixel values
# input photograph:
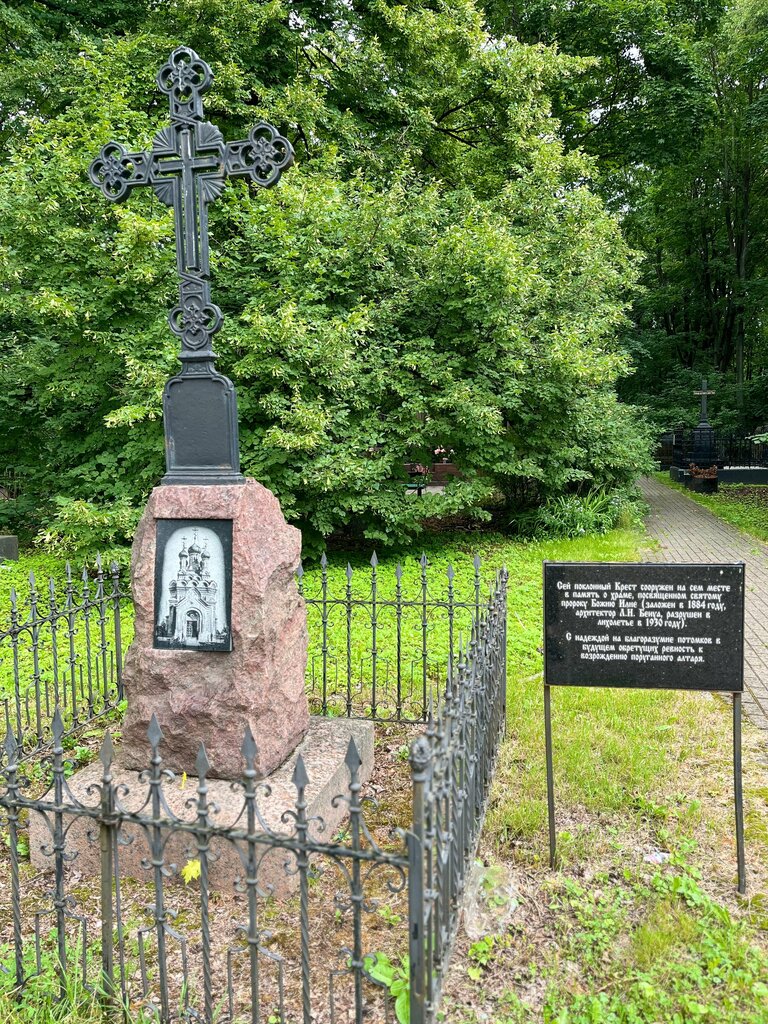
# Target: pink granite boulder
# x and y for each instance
(213, 695)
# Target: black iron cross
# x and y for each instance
(187, 167)
(704, 395)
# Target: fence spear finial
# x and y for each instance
(202, 764)
(107, 752)
(300, 777)
(154, 732)
(10, 746)
(353, 759)
(57, 726)
(249, 749)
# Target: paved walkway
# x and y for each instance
(688, 532)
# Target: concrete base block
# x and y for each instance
(9, 548)
(323, 749)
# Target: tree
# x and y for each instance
(673, 110)
(435, 272)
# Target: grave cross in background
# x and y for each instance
(703, 420)
(187, 167)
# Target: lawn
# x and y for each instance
(641, 922)
(742, 505)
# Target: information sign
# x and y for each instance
(649, 626)
(653, 626)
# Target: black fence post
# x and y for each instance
(59, 852)
(10, 800)
(203, 841)
(301, 781)
(16, 679)
(107, 839)
(421, 762)
(115, 599)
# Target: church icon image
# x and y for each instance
(191, 604)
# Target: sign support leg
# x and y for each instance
(738, 793)
(550, 777)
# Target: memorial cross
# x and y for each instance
(187, 167)
(703, 393)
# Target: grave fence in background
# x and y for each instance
(61, 646)
(724, 448)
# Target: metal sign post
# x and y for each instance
(645, 626)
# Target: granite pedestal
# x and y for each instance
(9, 548)
(213, 695)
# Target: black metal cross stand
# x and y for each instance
(187, 167)
(704, 395)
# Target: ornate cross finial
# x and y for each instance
(187, 167)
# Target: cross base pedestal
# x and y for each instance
(201, 436)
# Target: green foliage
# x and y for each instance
(578, 515)
(81, 530)
(672, 107)
(689, 960)
(395, 977)
(436, 272)
(481, 953)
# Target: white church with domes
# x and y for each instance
(192, 600)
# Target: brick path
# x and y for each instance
(688, 532)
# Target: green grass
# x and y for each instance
(742, 505)
(687, 959)
(613, 940)
(48, 654)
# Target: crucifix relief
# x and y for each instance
(187, 167)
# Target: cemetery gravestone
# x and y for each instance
(9, 547)
(220, 644)
(703, 452)
(187, 168)
(206, 681)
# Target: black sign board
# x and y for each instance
(649, 626)
(644, 625)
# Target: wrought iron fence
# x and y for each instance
(62, 648)
(722, 448)
(11, 483)
(452, 767)
(150, 948)
(379, 648)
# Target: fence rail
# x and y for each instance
(148, 946)
(381, 650)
